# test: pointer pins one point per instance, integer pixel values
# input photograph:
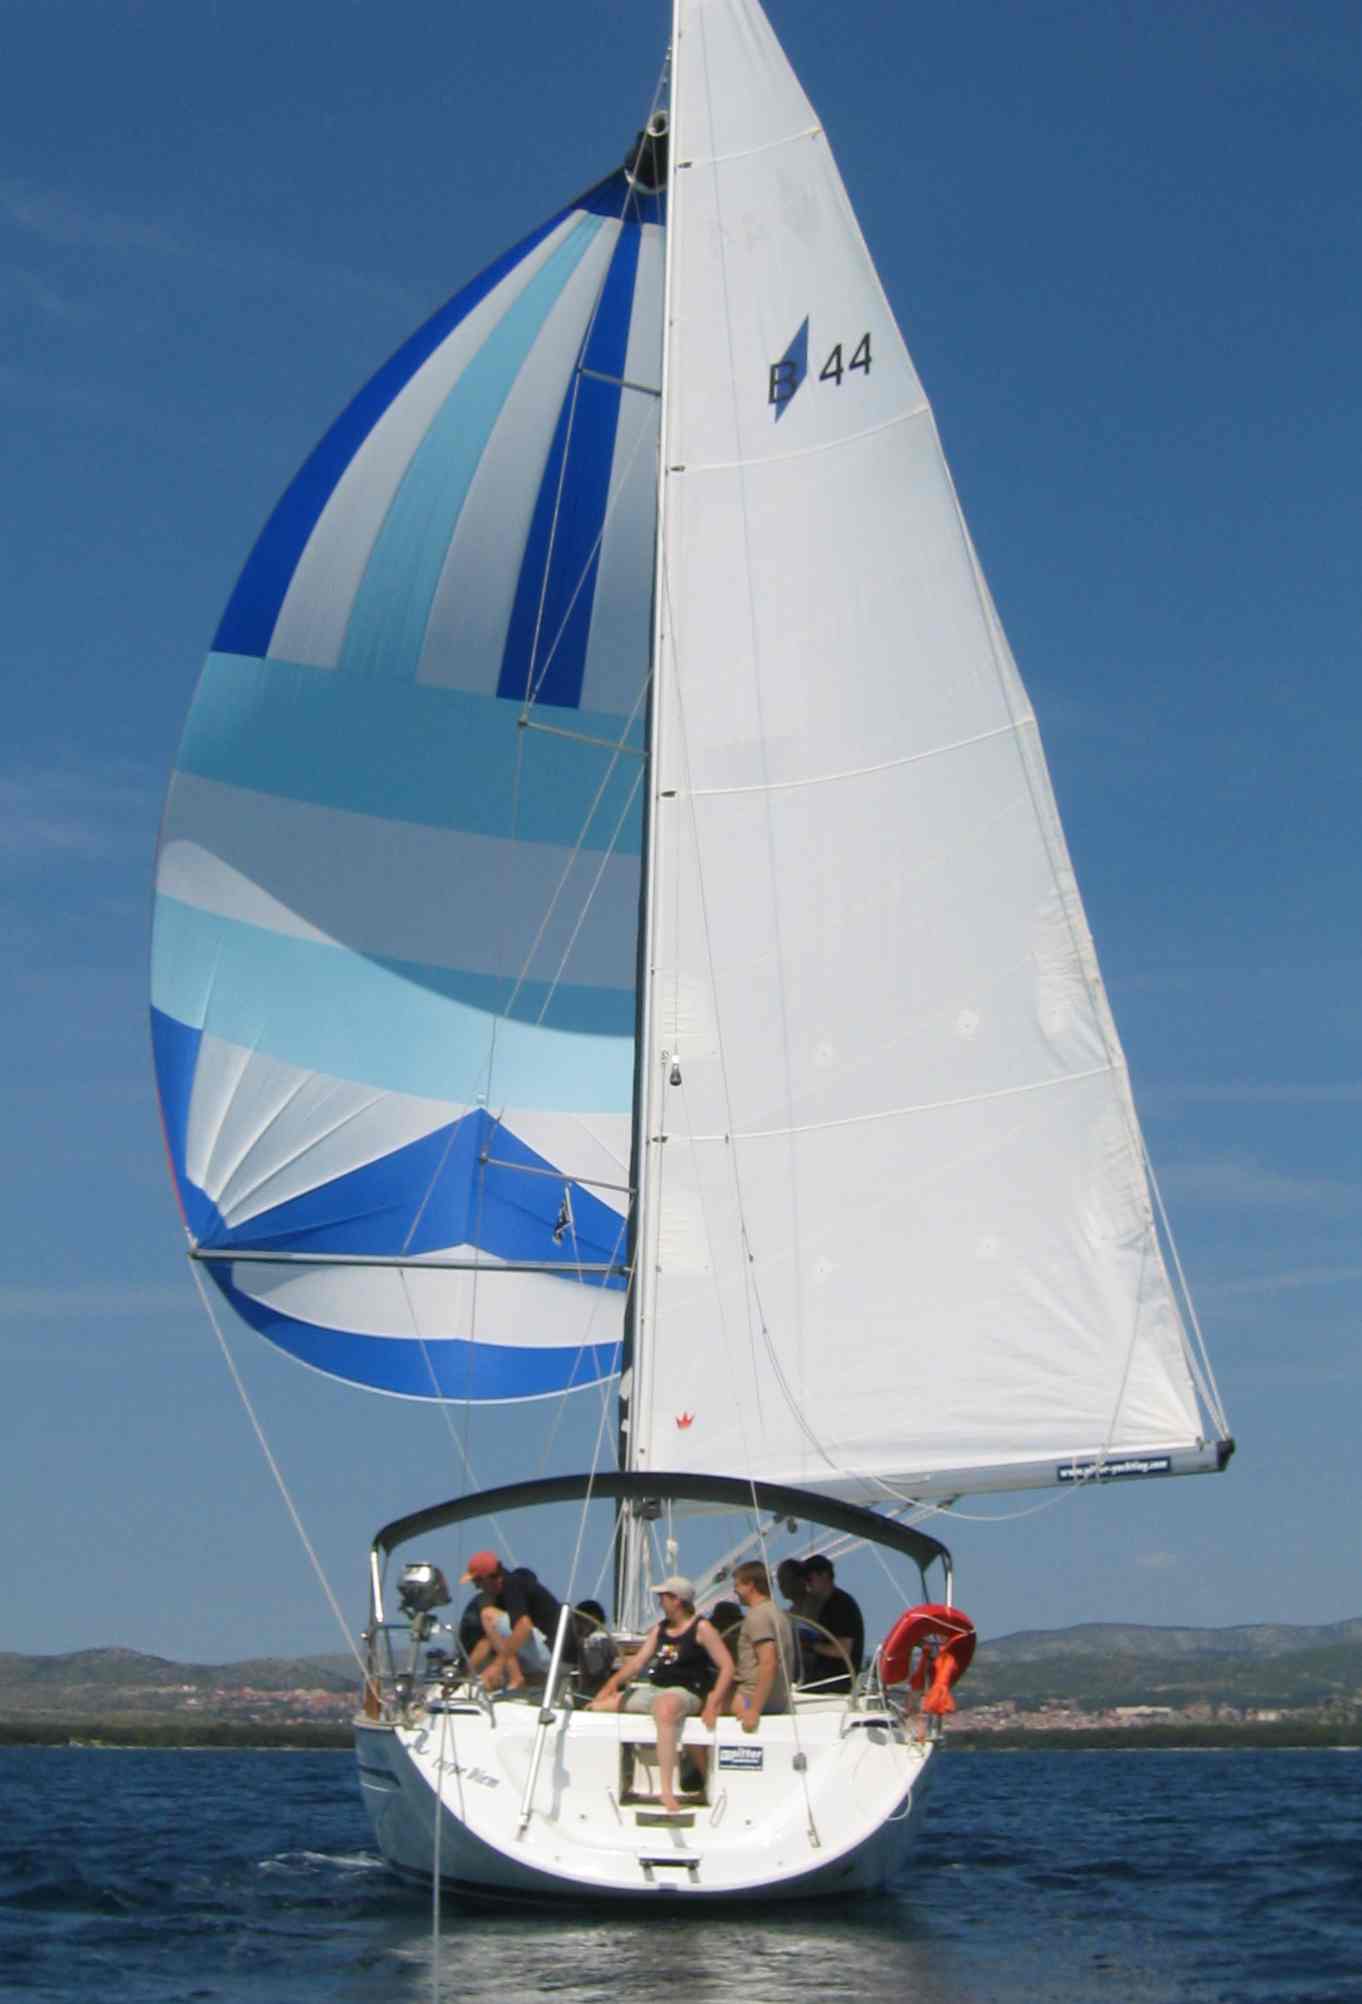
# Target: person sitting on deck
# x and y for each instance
(471, 1630)
(766, 1649)
(837, 1613)
(596, 1651)
(727, 1618)
(792, 1580)
(516, 1604)
(687, 1671)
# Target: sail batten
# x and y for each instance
(697, 469)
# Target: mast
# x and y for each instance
(629, 1548)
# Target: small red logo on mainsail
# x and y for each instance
(684, 1419)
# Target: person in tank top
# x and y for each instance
(680, 1671)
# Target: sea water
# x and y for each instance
(1042, 1878)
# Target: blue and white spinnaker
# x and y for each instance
(393, 968)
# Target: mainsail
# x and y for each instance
(394, 953)
(898, 1234)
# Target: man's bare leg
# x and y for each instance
(505, 1664)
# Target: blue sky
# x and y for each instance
(1123, 244)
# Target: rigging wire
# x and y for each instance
(606, 855)
(444, 1402)
(1200, 1357)
(435, 1888)
(598, 1293)
(277, 1472)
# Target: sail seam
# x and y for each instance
(752, 152)
(922, 409)
(896, 1112)
(233, 1209)
(865, 771)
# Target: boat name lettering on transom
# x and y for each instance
(476, 1774)
(785, 377)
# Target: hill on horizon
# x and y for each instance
(120, 1669)
(115, 1663)
(1095, 1666)
(1252, 1639)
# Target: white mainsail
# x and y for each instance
(897, 1234)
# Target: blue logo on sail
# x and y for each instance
(788, 373)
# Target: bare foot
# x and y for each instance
(670, 1805)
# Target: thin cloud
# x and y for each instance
(1285, 1282)
(62, 811)
(1062, 714)
(1342, 1092)
(1156, 1562)
(102, 1298)
(60, 221)
(1240, 1182)
(38, 296)
(1298, 1373)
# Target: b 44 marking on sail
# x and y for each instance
(785, 376)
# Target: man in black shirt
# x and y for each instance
(833, 1609)
(471, 1630)
(527, 1605)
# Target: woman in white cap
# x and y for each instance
(684, 1671)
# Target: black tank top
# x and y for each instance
(682, 1660)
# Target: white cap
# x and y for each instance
(678, 1584)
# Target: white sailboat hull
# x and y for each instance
(823, 1802)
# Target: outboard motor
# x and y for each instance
(421, 1589)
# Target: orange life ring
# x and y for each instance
(946, 1639)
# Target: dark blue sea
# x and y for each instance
(1054, 1878)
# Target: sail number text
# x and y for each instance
(785, 376)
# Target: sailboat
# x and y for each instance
(613, 929)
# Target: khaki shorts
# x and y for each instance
(640, 1698)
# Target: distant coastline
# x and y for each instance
(207, 1735)
(1101, 1685)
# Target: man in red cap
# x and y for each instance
(526, 1605)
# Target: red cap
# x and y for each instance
(479, 1567)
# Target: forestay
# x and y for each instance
(898, 1227)
(395, 933)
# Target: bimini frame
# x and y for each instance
(639, 1489)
